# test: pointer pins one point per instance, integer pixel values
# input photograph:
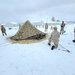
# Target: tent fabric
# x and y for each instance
(28, 31)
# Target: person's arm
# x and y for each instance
(64, 25)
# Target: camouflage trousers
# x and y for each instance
(55, 42)
(62, 30)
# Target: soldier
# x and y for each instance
(74, 35)
(55, 35)
(46, 27)
(19, 26)
(62, 28)
(3, 30)
(51, 28)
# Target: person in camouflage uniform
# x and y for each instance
(55, 35)
(3, 30)
(62, 28)
(46, 27)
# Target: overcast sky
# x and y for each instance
(36, 10)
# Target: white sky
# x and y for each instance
(36, 10)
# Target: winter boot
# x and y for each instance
(73, 41)
(49, 44)
(3, 34)
(52, 47)
(64, 31)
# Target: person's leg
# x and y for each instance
(61, 31)
(49, 43)
(5, 33)
(54, 46)
(45, 30)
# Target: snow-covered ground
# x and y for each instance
(37, 58)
